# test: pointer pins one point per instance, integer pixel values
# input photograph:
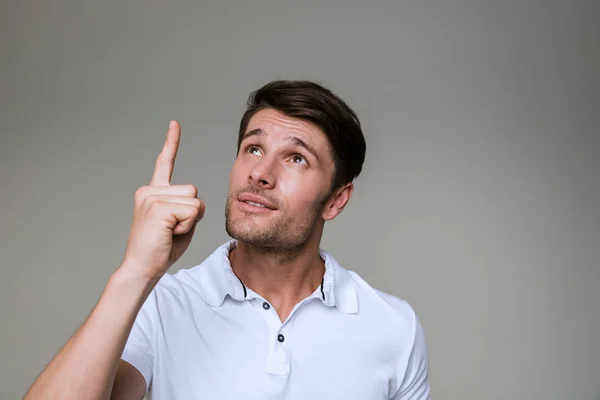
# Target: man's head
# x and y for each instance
(299, 149)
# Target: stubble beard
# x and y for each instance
(286, 235)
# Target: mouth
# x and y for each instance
(254, 202)
(254, 207)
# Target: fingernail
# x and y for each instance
(171, 124)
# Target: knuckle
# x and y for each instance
(200, 209)
(191, 189)
(197, 203)
(155, 205)
(140, 194)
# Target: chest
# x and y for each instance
(245, 355)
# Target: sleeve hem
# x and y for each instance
(139, 359)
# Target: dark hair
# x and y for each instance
(312, 102)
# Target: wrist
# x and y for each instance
(128, 276)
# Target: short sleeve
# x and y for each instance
(415, 385)
(139, 351)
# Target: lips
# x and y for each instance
(256, 201)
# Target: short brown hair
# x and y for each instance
(312, 102)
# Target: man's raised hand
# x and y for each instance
(164, 217)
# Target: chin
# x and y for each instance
(242, 229)
(252, 238)
(247, 231)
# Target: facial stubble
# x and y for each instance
(286, 234)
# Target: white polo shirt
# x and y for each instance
(202, 334)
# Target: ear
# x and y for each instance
(337, 201)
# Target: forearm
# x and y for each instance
(85, 367)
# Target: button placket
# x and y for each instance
(277, 362)
(278, 359)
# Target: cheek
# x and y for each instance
(237, 172)
(297, 193)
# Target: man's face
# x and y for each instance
(279, 181)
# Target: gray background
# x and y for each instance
(479, 198)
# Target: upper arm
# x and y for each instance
(134, 372)
(129, 383)
(415, 385)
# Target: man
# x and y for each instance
(269, 315)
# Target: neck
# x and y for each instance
(282, 277)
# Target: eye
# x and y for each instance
(298, 159)
(252, 149)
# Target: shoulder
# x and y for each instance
(389, 307)
(401, 334)
(392, 317)
(376, 308)
(170, 285)
(173, 295)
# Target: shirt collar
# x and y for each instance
(215, 280)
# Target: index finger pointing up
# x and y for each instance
(166, 159)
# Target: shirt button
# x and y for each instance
(281, 338)
(266, 305)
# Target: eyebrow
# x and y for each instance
(294, 139)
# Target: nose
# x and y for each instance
(263, 173)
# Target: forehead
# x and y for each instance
(278, 125)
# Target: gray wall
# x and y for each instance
(478, 202)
